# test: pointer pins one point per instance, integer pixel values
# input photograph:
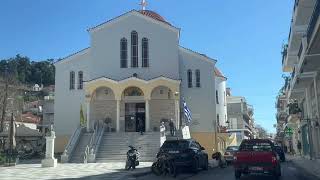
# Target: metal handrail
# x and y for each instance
(97, 142)
(72, 142)
(86, 154)
(93, 145)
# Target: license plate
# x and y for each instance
(173, 152)
(256, 168)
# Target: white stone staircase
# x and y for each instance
(114, 146)
(78, 154)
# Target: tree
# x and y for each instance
(261, 132)
(8, 89)
(30, 72)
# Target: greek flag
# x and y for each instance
(187, 112)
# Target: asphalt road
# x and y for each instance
(289, 172)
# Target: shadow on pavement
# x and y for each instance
(119, 174)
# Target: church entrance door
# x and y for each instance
(134, 112)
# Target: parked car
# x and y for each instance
(280, 152)
(257, 156)
(228, 155)
(187, 153)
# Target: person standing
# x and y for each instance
(299, 147)
(162, 129)
(140, 125)
(171, 126)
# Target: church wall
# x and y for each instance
(102, 109)
(160, 109)
(201, 101)
(67, 102)
(163, 49)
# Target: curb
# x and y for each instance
(140, 174)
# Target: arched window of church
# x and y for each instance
(217, 97)
(72, 79)
(80, 80)
(189, 74)
(198, 78)
(134, 49)
(145, 52)
(133, 91)
(123, 53)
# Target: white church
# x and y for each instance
(134, 70)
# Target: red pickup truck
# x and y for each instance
(257, 156)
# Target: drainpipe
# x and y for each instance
(317, 105)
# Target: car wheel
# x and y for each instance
(277, 173)
(195, 165)
(237, 174)
(206, 164)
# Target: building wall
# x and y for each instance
(161, 110)
(67, 102)
(163, 49)
(201, 101)
(221, 108)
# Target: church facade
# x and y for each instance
(135, 71)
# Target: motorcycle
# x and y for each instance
(133, 156)
(165, 165)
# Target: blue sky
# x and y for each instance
(245, 36)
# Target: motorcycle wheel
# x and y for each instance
(172, 169)
(127, 167)
(155, 169)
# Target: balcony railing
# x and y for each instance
(296, 3)
(284, 52)
(313, 21)
(300, 51)
(293, 73)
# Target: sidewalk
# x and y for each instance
(310, 166)
(69, 171)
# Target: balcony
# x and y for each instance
(294, 108)
(302, 14)
(313, 21)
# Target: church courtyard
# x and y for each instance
(72, 171)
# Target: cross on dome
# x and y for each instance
(143, 4)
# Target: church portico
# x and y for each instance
(127, 102)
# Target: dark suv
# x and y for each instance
(186, 153)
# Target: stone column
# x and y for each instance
(118, 115)
(147, 115)
(49, 160)
(177, 112)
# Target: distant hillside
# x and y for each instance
(27, 71)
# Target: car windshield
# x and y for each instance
(175, 144)
(232, 148)
(256, 146)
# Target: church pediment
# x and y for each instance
(150, 16)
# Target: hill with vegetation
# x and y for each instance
(28, 72)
